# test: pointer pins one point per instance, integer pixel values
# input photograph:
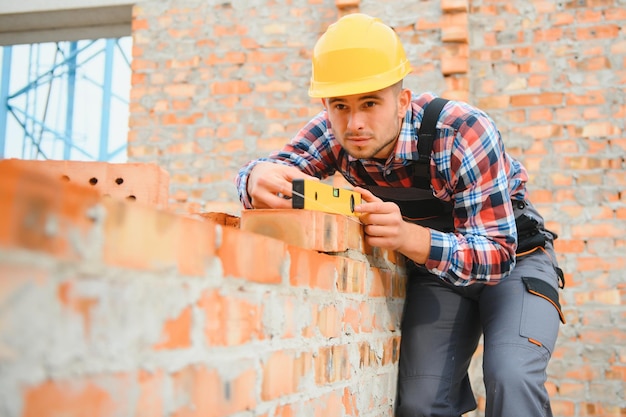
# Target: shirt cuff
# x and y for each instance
(442, 247)
(242, 185)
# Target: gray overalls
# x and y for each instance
(442, 324)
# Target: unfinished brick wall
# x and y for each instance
(113, 308)
(215, 85)
(218, 83)
(144, 183)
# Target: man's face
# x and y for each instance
(367, 125)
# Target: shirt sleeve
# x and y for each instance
(475, 174)
(310, 150)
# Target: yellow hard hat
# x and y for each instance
(357, 54)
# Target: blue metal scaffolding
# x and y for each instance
(65, 100)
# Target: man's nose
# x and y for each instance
(356, 120)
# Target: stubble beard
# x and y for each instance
(361, 152)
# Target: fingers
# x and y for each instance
(270, 184)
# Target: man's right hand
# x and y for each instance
(269, 184)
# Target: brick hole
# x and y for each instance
(93, 180)
(119, 181)
(65, 178)
(131, 198)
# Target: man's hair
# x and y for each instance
(397, 87)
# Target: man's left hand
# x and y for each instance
(383, 223)
(385, 228)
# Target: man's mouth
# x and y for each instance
(358, 139)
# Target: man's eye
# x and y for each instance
(370, 104)
(340, 106)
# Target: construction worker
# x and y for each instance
(441, 190)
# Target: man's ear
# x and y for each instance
(324, 103)
(404, 101)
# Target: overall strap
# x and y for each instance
(425, 137)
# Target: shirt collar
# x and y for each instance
(406, 146)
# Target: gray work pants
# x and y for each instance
(441, 328)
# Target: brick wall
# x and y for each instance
(115, 308)
(218, 84)
(124, 309)
(553, 75)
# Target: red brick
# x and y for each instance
(606, 297)
(391, 350)
(593, 97)
(177, 332)
(151, 387)
(352, 276)
(367, 317)
(229, 320)
(368, 356)
(314, 270)
(349, 401)
(200, 391)
(569, 246)
(329, 404)
(251, 256)
(283, 372)
(601, 337)
(597, 63)
(307, 229)
(454, 27)
(563, 407)
(562, 19)
(230, 88)
(140, 237)
(381, 283)
(462, 84)
(494, 102)
(454, 64)
(332, 364)
(538, 65)
(328, 321)
(286, 410)
(600, 129)
(145, 183)
(454, 5)
(176, 119)
(540, 115)
(139, 24)
(547, 35)
(542, 99)
(75, 399)
(39, 212)
(342, 4)
(597, 32)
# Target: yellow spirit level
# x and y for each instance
(315, 195)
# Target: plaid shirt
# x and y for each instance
(469, 168)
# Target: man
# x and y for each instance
(459, 227)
